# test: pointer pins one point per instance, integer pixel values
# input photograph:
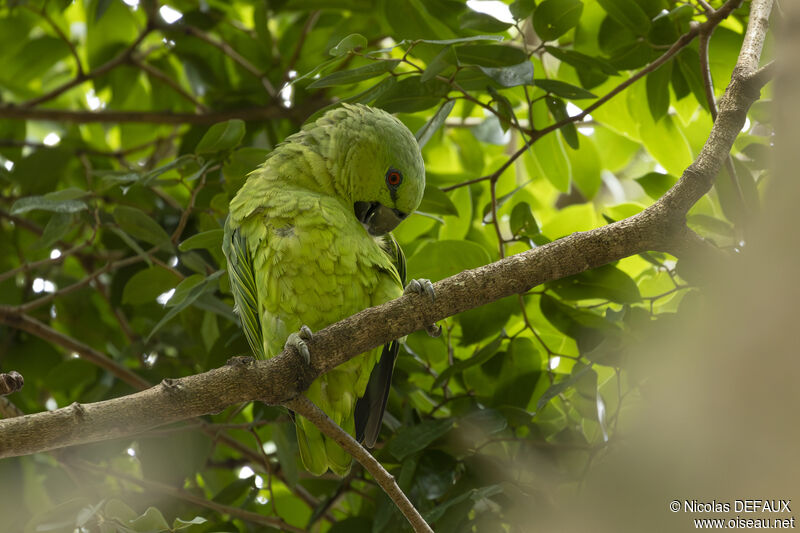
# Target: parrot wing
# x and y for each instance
(243, 286)
(370, 407)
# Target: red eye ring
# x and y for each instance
(394, 178)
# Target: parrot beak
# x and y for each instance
(376, 218)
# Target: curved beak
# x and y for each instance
(376, 218)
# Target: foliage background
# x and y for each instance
(110, 207)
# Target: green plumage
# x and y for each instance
(299, 253)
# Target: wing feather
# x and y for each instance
(243, 286)
(370, 407)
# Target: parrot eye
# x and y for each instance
(393, 178)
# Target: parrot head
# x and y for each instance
(380, 170)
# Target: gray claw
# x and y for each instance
(424, 286)
(298, 340)
(420, 286)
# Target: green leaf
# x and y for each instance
(463, 39)
(558, 109)
(490, 55)
(486, 320)
(505, 110)
(475, 494)
(221, 137)
(57, 227)
(586, 167)
(440, 259)
(120, 511)
(443, 60)
(582, 61)
(606, 283)
(522, 221)
(183, 288)
(424, 134)
(436, 201)
(550, 160)
(192, 294)
(139, 225)
(63, 201)
(151, 520)
(656, 184)
(412, 19)
(345, 77)
(689, 65)
(144, 286)
(563, 89)
(484, 354)
(349, 44)
(585, 327)
(561, 386)
(410, 95)
(207, 240)
(628, 13)
(658, 90)
(512, 76)
(554, 18)
(235, 491)
(412, 439)
(179, 523)
(522, 9)
(472, 20)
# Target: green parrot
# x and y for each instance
(308, 244)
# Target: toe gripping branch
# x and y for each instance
(298, 340)
(424, 286)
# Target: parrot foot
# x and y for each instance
(424, 286)
(298, 340)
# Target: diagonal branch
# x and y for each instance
(314, 414)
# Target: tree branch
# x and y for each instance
(306, 408)
(151, 117)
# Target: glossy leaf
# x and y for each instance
(628, 13)
(436, 201)
(345, 77)
(554, 18)
(565, 90)
(139, 225)
(352, 42)
(221, 137)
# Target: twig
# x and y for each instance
(43, 13)
(26, 267)
(174, 85)
(226, 49)
(11, 317)
(121, 58)
(309, 24)
(306, 408)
